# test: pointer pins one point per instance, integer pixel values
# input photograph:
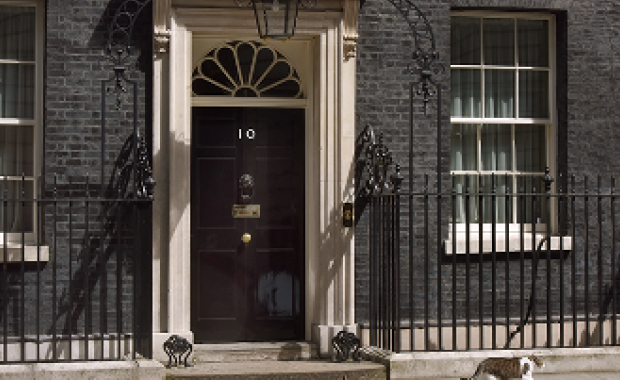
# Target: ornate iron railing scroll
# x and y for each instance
(119, 51)
(376, 164)
(119, 43)
(425, 56)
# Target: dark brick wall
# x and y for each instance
(88, 263)
(587, 109)
(77, 63)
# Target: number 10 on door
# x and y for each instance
(250, 134)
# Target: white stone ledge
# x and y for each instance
(514, 243)
(31, 253)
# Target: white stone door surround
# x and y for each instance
(330, 146)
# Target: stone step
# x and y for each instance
(247, 352)
(281, 370)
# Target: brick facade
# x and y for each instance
(586, 75)
(75, 65)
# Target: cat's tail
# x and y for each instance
(475, 376)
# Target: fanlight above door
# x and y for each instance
(247, 70)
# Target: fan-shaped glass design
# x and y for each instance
(245, 70)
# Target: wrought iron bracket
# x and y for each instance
(119, 50)
(548, 180)
(346, 346)
(175, 347)
(119, 43)
(145, 184)
(376, 162)
(425, 64)
(425, 54)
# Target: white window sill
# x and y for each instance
(32, 253)
(514, 243)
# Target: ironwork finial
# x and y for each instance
(119, 43)
(548, 180)
(425, 64)
(397, 179)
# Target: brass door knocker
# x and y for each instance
(246, 188)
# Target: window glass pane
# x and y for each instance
(534, 94)
(17, 90)
(16, 150)
(465, 93)
(498, 41)
(245, 52)
(495, 206)
(17, 33)
(499, 90)
(465, 41)
(17, 215)
(496, 147)
(531, 146)
(533, 36)
(531, 208)
(467, 204)
(463, 152)
(226, 58)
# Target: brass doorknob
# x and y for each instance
(246, 238)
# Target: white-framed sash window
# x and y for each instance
(21, 46)
(502, 116)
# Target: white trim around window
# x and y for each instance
(470, 104)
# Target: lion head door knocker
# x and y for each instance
(246, 188)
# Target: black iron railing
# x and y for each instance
(75, 280)
(520, 267)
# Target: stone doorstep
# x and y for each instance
(424, 365)
(246, 352)
(282, 370)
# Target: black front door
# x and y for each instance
(247, 224)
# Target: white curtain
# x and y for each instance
(499, 90)
(465, 92)
(496, 155)
(464, 156)
(496, 205)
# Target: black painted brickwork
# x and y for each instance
(587, 112)
(76, 62)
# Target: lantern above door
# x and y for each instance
(277, 19)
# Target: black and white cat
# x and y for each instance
(507, 368)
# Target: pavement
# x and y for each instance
(316, 369)
(281, 370)
(555, 376)
(547, 376)
(575, 376)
